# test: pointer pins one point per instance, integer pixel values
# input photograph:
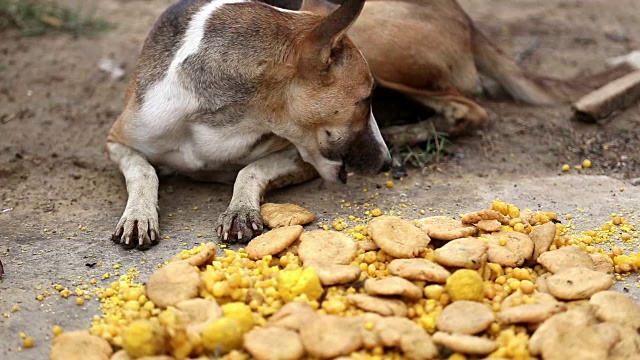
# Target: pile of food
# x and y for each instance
(499, 283)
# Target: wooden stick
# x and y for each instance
(612, 97)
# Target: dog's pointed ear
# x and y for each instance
(322, 7)
(314, 53)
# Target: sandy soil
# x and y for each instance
(56, 107)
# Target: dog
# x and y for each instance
(241, 91)
(431, 51)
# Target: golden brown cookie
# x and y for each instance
(577, 283)
(566, 257)
(530, 313)
(445, 228)
(465, 317)
(466, 344)
(329, 336)
(173, 283)
(488, 225)
(378, 305)
(487, 214)
(273, 242)
(393, 285)
(279, 215)
(199, 312)
(398, 237)
(273, 343)
(542, 237)
(327, 247)
(418, 269)
(509, 248)
(616, 307)
(602, 263)
(470, 253)
(331, 274)
(80, 345)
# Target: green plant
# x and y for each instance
(431, 151)
(37, 17)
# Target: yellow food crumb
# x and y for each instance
(28, 342)
(566, 167)
(57, 330)
(586, 163)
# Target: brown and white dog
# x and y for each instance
(235, 90)
(431, 51)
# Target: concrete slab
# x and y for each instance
(34, 260)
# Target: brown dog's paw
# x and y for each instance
(137, 229)
(239, 224)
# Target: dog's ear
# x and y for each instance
(322, 7)
(314, 53)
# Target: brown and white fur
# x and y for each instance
(431, 51)
(240, 91)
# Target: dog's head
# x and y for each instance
(329, 98)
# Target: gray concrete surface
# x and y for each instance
(34, 260)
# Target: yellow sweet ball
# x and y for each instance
(292, 283)
(223, 335)
(241, 312)
(465, 284)
(28, 342)
(586, 163)
(143, 338)
(566, 167)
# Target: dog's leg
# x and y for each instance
(461, 113)
(242, 221)
(139, 223)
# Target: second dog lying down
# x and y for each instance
(238, 90)
(431, 51)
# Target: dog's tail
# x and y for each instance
(493, 62)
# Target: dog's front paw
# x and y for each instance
(138, 227)
(239, 224)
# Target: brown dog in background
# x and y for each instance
(431, 51)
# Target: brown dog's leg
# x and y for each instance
(242, 221)
(461, 113)
(138, 225)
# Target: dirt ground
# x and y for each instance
(63, 196)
